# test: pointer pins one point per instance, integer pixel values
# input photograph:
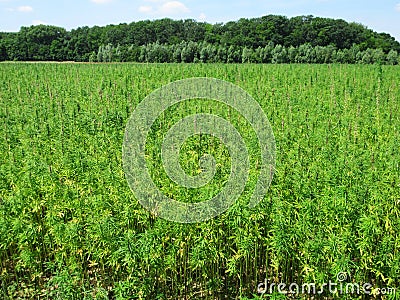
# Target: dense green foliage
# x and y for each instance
(181, 39)
(189, 52)
(70, 228)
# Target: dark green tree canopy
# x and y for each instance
(45, 42)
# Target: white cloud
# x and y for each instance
(145, 9)
(24, 8)
(173, 7)
(39, 22)
(202, 17)
(101, 1)
(397, 7)
(164, 8)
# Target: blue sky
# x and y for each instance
(381, 16)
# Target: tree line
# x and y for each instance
(193, 52)
(268, 39)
